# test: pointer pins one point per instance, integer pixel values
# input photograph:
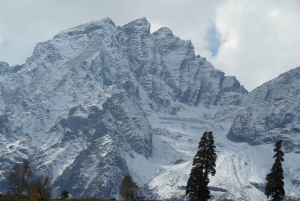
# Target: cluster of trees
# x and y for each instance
(22, 183)
(204, 164)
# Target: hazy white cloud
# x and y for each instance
(258, 39)
(1, 40)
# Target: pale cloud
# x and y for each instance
(1, 40)
(259, 40)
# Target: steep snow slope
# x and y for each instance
(98, 102)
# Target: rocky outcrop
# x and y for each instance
(271, 113)
(168, 69)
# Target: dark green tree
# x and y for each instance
(275, 184)
(211, 155)
(204, 164)
(64, 194)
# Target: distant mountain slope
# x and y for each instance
(272, 112)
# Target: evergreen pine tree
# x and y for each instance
(274, 187)
(64, 194)
(204, 163)
(211, 155)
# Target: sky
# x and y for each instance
(253, 40)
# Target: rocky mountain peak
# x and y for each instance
(162, 32)
(4, 68)
(141, 26)
(88, 27)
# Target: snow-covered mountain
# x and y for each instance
(271, 113)
(98, 102)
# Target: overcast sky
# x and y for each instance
(253, 40)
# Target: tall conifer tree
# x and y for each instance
(204, 163)
(211, 155)
(275, 184)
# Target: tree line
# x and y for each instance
(22, 182)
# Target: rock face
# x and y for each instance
(272, 112)
(105, 134)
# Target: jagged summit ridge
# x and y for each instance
(163, 32)
(88, 27)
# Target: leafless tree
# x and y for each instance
(41, 189)
(129, 189)
(19, 178)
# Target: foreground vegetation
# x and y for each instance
(24, 198)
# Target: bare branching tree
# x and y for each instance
(19, 178)
(130, 190)
(41, 189)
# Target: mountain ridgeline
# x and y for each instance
(97, 97)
